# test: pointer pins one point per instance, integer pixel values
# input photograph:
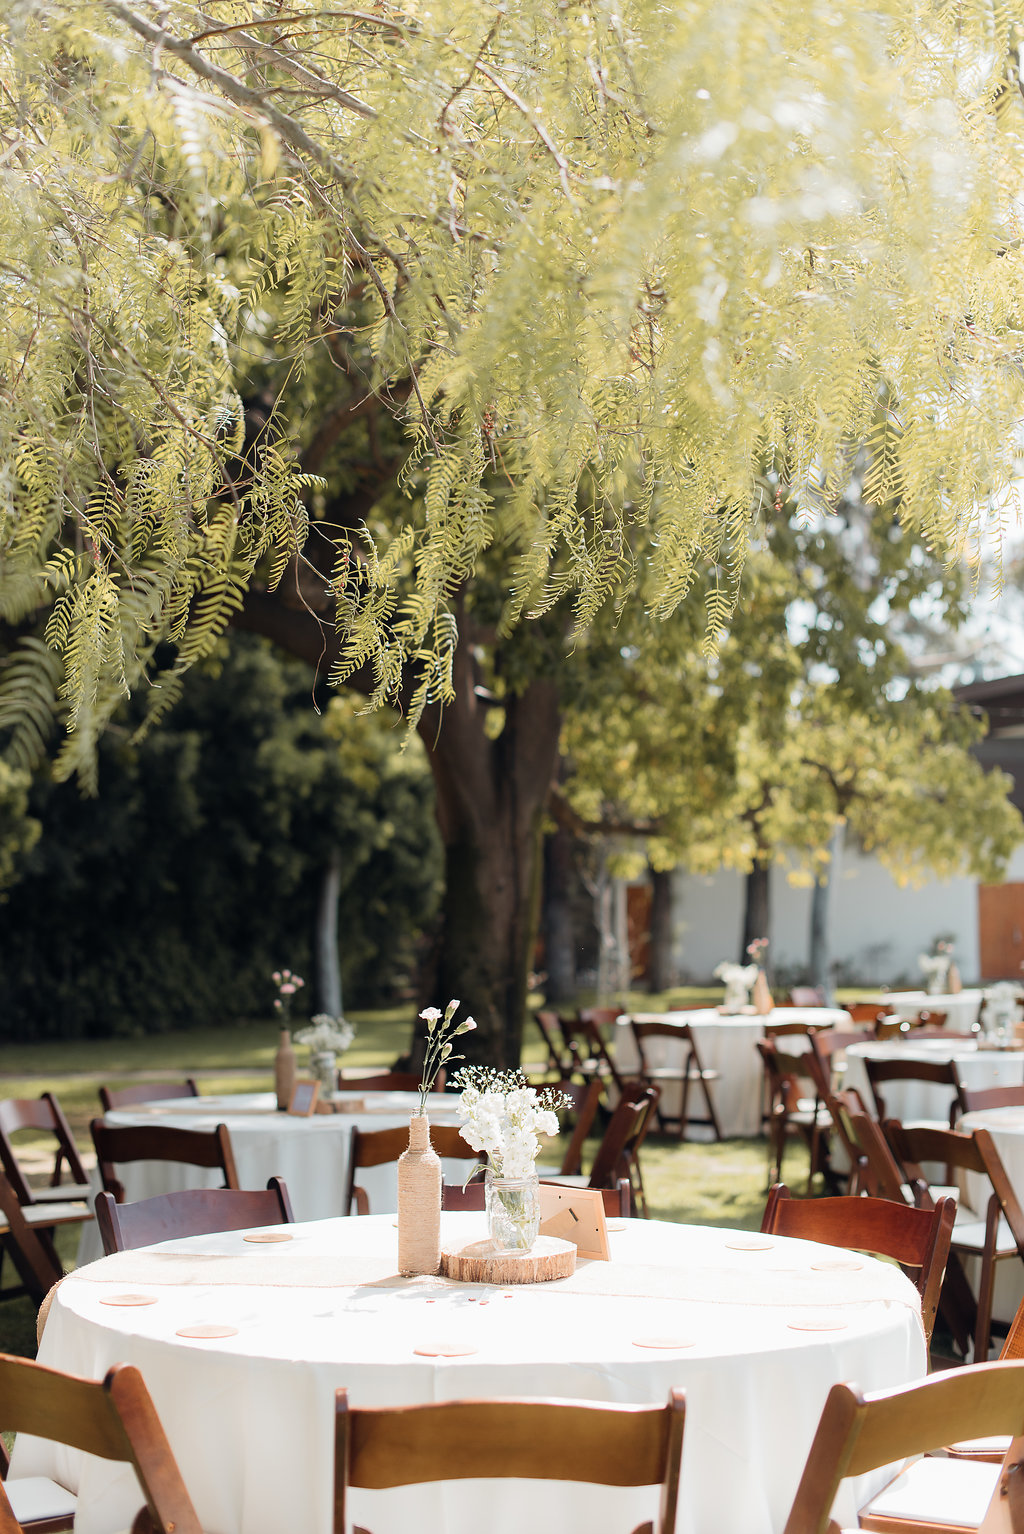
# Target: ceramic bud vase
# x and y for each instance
(284, 1070)
(762, 995)
(419, 1202)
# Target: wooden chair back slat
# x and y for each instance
(918, 1239)
(378, 1447)
(190, 1212)
(43, 1113)
(376, 1147)
(935, 1072)
(160, 1142)
(388, 1081)
(618, 1154)
(980, 1099)
(146, 1092)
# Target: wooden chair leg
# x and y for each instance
(983, 1323)
(684, 1103)
(712, 1115)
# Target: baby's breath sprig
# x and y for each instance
(440, 1032)
(485, 1078)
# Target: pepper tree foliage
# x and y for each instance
(611, 256)
(811, 715)
(204, 854)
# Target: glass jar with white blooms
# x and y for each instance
(327, 1038)
(506, 1117)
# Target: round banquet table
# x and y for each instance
(726, 1044)
(311, 1154)
(913, 1101)
(756, 1330)
(962, 1008)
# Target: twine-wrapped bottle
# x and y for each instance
(284, 1070)
(419, 1202)
(762, 995)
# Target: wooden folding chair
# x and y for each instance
(113, 1418)
(32, 1251)
(918, 1239)
(618, 1155)
(941, 1073)
(859, 1433)
(42, 1113)
(791, 1109)
(382, 1446)
(189, 1212)
(376, 1147)
(867, 1011)
(586, 1046)
(559, 1062)
(689, 1071)
(586, 1098)
(158, 1142)
(146, 1092)
(992, 1236)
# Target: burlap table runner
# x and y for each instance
(707, 1284)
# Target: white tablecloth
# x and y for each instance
(1006, 1126)
(912, 1101)
(727, 1045)
(962, 1008)
(249, 1417)
(311, 1154)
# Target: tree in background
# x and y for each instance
(167, 900)
(326, 314)
(809, 720)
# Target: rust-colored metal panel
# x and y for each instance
(1001, 931)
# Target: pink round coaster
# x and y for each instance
(750, 1244)
(669, 1343)
(445, 1349)
(128, 1299)
(813, 1325)
(837, 1265)
(207, 1330)
(615, 1224)
(267, 1237)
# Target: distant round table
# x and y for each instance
(962, 1008)
(756, 1330)
(726, 1044)
(913, 1101)
(311, 1154)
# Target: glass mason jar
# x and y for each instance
(513, 1211)
(323, 1067)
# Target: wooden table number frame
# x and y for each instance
(304, 1098)
(576, 1215)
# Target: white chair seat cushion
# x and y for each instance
(63, 1193)
(36, 1496)
(969, 1234)
(940, 1491)
(55, 1214)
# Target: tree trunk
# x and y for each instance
(328, 965)
(757, 908)
(662, 962)
(491, 796)
(559, 934)
(821, 899)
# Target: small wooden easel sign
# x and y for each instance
(576, 1215)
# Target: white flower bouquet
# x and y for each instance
(327, 1035)
(737, 979)
(935, 967)
(505, 1117)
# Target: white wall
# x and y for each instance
(877, 928)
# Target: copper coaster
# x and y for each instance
(445, 1349)
(837, 1265)
(751, 1244)
(265, 1237)
(128, 1299)
(669, 1343)
(207, 1330)
(817, 1326)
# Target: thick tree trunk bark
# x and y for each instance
(757, 908)
(559, 934)
(490, 803)
(662, 963)
(491, 795)
(328, 963)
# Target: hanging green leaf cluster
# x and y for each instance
(613, 257)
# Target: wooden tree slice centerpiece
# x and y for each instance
(479, 1263)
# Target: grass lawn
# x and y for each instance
(721, 1184)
